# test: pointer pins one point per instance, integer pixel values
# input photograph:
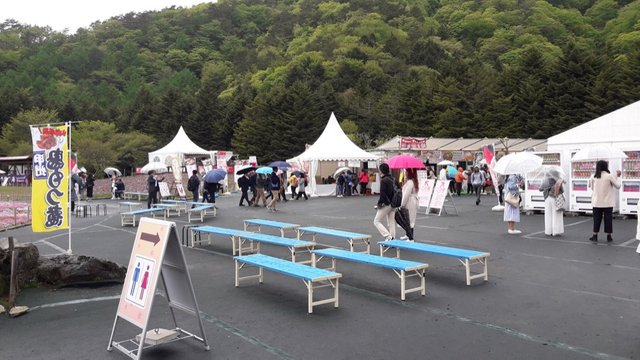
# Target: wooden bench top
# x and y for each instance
(390, 263)
(276, 240)
(435, 249)
(271, 223)
(332, 232)
(297, 270)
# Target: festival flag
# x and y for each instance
(489, 156)
(50, 185)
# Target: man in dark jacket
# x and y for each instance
(244, 184)
(275, 189)
(193, 185)
(387, 184)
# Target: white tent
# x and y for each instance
(332, 145)
(620, 128)
(180, 146)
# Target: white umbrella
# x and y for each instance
(518, 163)
(599, 152)
(157, 166)
(344, 168)
(446, 162)
(111, 170)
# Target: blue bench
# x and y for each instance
(351, 237)
(196, 235)
(182, 204)
(202, 211)
(466, 257)
(293, 245)
(403, 268)
(131, 205)
(312, 277)
(168, 208)
(131, 194)
(129, 218)
(270, 223)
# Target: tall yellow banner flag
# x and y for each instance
(50, 185)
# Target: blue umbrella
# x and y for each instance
(215, 175)
(280, 164)
(264, 170)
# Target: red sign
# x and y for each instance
(413, 143)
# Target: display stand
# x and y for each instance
(156, 254)
(181, 193)
(441, 199)
(164, 190)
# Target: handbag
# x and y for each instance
(513, 200)
(560, 200)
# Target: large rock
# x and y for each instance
(67, 270)
(18, 310)
(27, 255)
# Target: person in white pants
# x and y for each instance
(385, 210)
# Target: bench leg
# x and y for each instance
(336, 294)
(402, 285)
(467, 271)
(310, 296)
(237, 271)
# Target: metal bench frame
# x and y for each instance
(311, 284)
(403, 274)
(257, 223)
(203, 211)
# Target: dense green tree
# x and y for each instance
(16, 134)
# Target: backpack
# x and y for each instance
(396, 200)
(192, 184)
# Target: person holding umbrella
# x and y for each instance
(274, 180)
(244, 184)
(193, 185)
(603, 198)
(410, 201)
(551, 189)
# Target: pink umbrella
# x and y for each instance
(405, 162)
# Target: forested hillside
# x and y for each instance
(261, 77)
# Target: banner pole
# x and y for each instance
(68, 125)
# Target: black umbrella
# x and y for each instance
(402, 219)
(298, 173)
(245, 170)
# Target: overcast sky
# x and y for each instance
(74, 14)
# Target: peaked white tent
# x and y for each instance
(620, 128)
(180, 146)
(332, 145)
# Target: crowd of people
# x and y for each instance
(273, 187)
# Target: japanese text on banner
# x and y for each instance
(50, 190)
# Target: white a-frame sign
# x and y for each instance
(156, 254)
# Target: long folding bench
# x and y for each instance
(129, 217)
(282, 226)
(351, 237)
(403, 268)
(254, 240)
(312, 277)
(201, 211)
(211, 210)
(196, 235)
(132, 194)
(170, 209)
(466, 257)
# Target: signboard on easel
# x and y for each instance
(181, 191)
(425, 192)
(157, 254)
(440, 196)
(164, 189)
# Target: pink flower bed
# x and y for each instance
(14, 213)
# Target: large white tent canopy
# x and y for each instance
(620, 128)
(332, 145)
(180, 146)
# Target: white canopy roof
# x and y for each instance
(334, 145)
(620, 127)
(181, 144)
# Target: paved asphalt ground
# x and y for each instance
(546, 298)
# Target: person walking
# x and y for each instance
(459, 179)
(76, 186)
(293, 184)
(512, 212)
(340, 185)
(275, 190)
(253, 177)
(244, 184)
(603, 197)
(477, 182)
(261, 180)
(553, 217)
(384, 209)
(364, 182)
(193, 185)
(211, 190)
(410, 199)
(302, 187)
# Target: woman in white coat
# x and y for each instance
(410, 198)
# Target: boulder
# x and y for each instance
(2, 310)
(18, 310)
(27, 255)
(67, 270)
